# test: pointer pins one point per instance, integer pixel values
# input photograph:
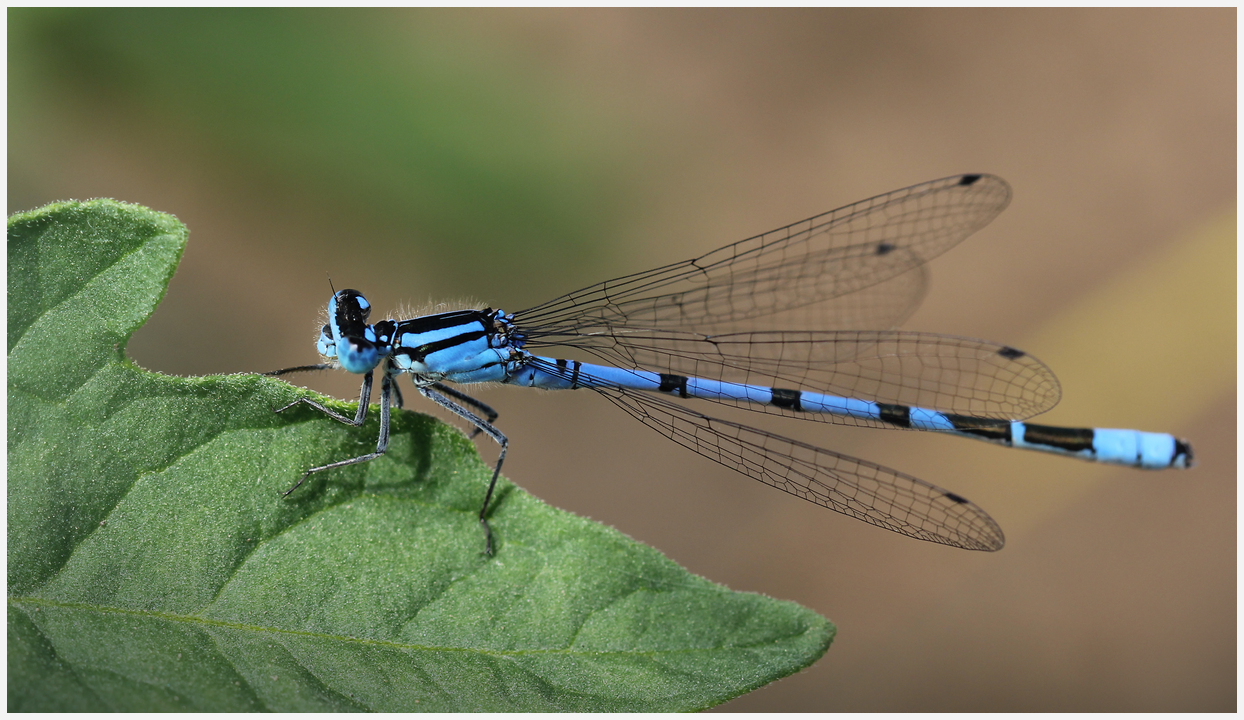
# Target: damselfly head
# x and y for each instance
(348, 337)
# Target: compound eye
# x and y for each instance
(358, 355)
(353, 304)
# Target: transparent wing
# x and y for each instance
(939, 372)
(825, 257)
(866, 491)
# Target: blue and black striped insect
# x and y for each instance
(678, 333)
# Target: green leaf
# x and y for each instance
(154, 565)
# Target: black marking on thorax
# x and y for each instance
(428, 323)
(436, 346)
(384, 331)
(475, 324)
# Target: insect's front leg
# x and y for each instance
(300, 368)
(382, 444)
(359, 417)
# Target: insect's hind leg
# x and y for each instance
(482, 426)
(382, 444)
(468, 400)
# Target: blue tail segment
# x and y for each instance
(1133, 448)
(671, 335)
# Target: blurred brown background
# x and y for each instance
(511, 156)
